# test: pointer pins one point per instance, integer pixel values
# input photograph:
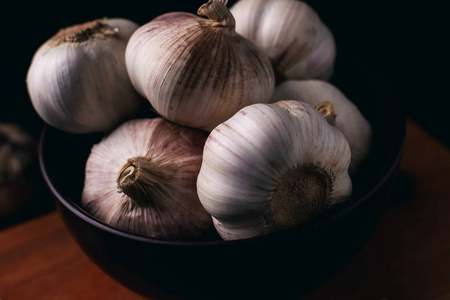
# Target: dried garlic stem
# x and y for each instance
(217, 11)
(144, 180)
(327, 111)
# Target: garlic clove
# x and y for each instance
(271, 167)
(348, 118)
(291, 33)
(142, 179)
(77, 80)
(197, 71)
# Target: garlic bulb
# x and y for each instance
(142, 179)
(291, 33)
(348, 118)
(77, 80)
(272, 167)
(18, 151)
(197, 71)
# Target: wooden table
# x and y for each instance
(407, 257)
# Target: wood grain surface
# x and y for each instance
(407, 257)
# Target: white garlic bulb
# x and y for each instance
(142, 179)
(348, 118)
(291, 33)
(77, 80)
(197, 71)
(272, 167)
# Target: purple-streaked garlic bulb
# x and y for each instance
(141, 178)
(198, 71)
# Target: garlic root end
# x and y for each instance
(300, 195)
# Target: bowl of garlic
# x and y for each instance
(206, 157)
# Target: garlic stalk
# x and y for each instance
(197, 71)
(272, 167)
(77, 80)
(347, 117)
(142, 179)
(291, 33)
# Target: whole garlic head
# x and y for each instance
(291, 33)
(271, 167)
(197, 71)
(348, 118)
(77, 80)
(141, 178)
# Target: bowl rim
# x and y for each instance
(395, 155)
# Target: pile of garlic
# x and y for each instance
(250, 138)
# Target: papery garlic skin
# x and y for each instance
(195, 71)
(291, 33)
(262, 169)
(167, 206)
(349, 119)
(77, 80)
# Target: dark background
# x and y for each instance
(403, 44)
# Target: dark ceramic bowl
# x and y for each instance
(277, 266)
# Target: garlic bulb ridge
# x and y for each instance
(77, 80)
(142, 179)
(272, 167)
(197, 71)
(291, 33)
